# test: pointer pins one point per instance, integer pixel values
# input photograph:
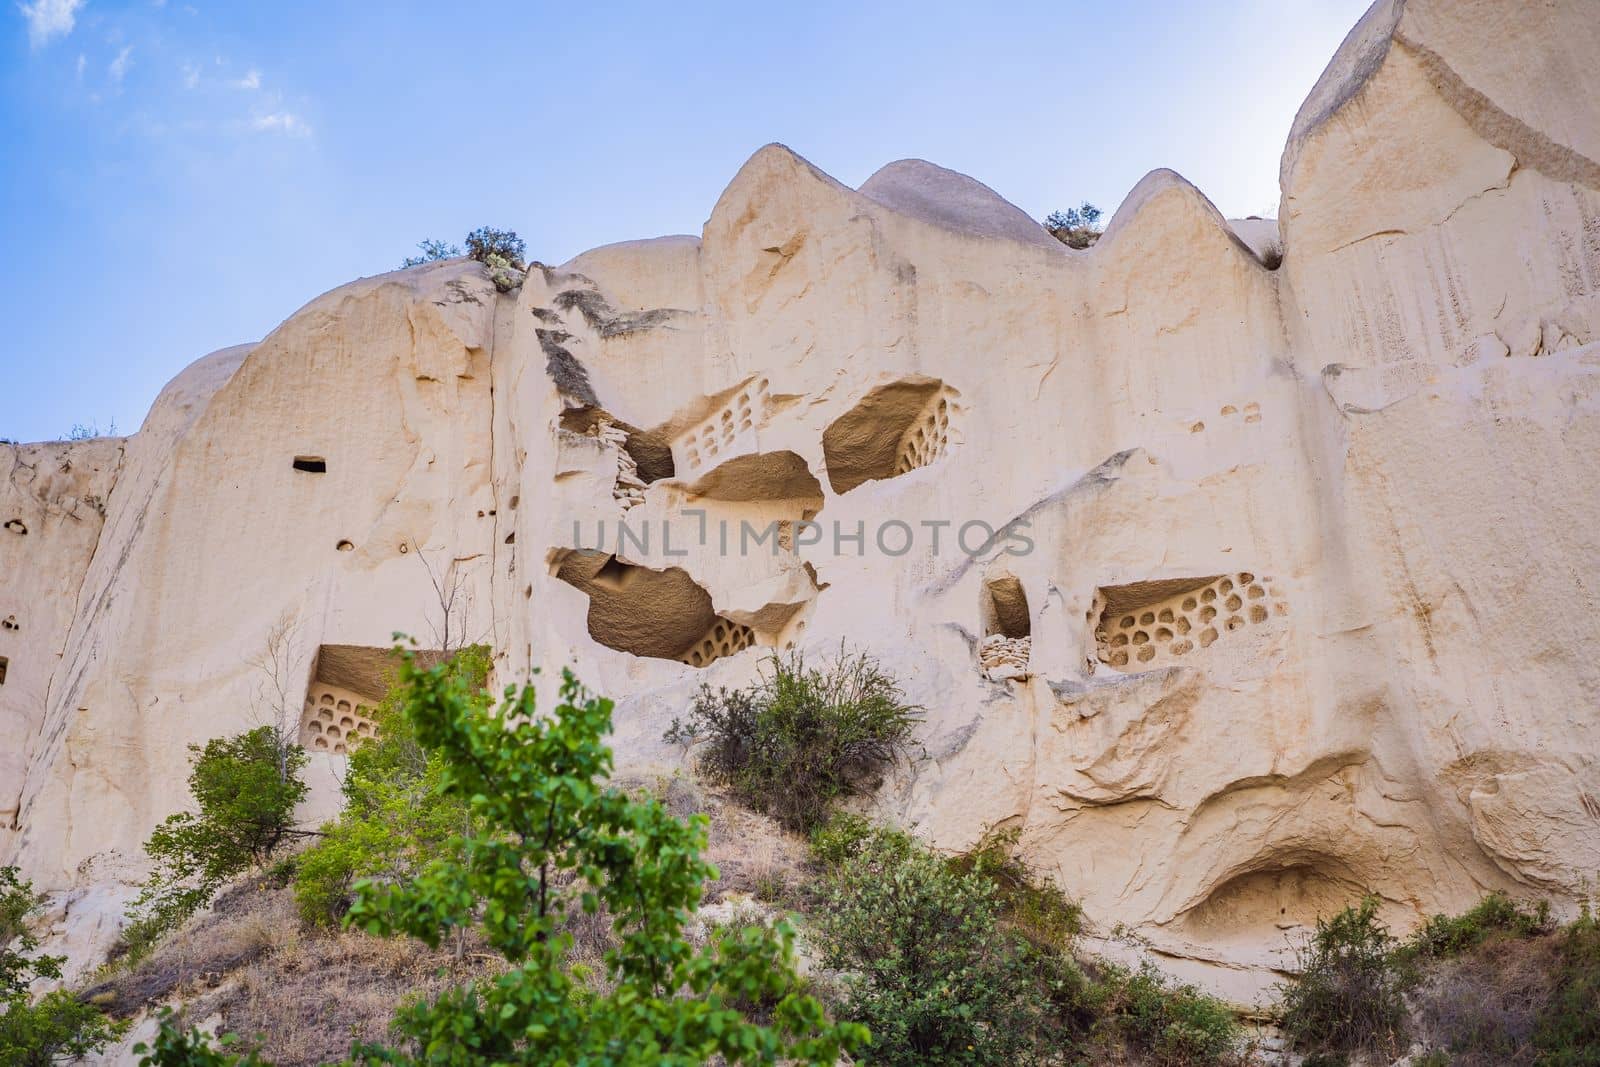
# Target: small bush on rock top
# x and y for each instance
(486, 241)
(802, 737)
(431, 250)
(1076, 227)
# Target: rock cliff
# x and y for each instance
(1205, 574)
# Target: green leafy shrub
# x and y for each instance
(802, 737)
(396, 817)
(842, 836)
(58, 1027)
(1172, 1023)
(1568, 1030)
(1349, 994)
(1076, 227)
(486, 241)
(1443, 936)
(966, 959)
(929, 970)
(246, 788)
(1030, 901)
(431, 250)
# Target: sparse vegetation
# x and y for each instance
(1444, 936)
(555, 836)
(501, 252)
(1030, 901)
(245, 788)
(82, 432)
(1076, 227)
(431, 250)
(57, 1027)
(1497, 984)
(802, 737)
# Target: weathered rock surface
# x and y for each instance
(1245, 651)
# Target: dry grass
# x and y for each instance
(1482, 1006)
(752, 853)
(302, 996)
(245, 923)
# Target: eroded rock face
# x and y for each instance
(1238, 591)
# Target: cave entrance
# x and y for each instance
(895, 429)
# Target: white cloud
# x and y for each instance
(48, 19)
(119, 66)
(82, 62)
(191, 76)
(251, 80)
(281, 122)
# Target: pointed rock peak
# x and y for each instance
(1163, 186)
(1152, 186)
(776, 160)
(952, 201)
(1357, 59)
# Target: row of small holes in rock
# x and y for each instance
(725, 639)
(718, 432)
(1172, 625)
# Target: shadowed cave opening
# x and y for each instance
(895, 429)
(1258, 905)
(347, 681)
(311, 464)
(662, 614)
(1005, 608)
(651, 450)
(17, 526)
(4, 663)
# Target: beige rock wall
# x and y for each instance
(1291, 596)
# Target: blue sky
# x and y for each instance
(180, 176)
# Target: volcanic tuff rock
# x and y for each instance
(1244, 650)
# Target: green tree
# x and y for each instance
(554, 831)
(545, 832)
(56, 1028)
(396, 817)
(246, 788)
